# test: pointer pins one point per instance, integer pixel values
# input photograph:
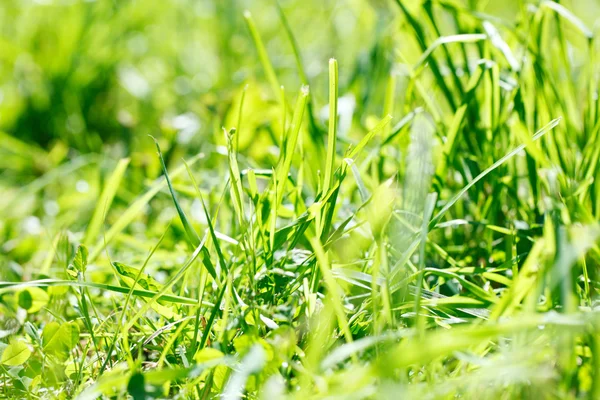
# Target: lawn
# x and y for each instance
(383, 199)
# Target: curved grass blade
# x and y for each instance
(569, 16)
(134, 210)
(211, 229)
(353, 152)
(191, 234)
(299, 66)
(462, 38)
(168, 298)
(492, 167)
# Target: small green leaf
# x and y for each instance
(235, 176)
(130, 274)
(207, 354)
(25, 299)
(59, 339)
(33, 299)
(15, 353)
(49, 335)
(79, 262)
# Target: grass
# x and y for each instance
(416, 220)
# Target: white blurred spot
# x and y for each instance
(125, 118)
(51, 208)
(187, 126)
(183, 85)
(521, 225)
(133, 82)
(32, 225)
(138, 44)
(82, 186)
(268, 322)
(346, 106)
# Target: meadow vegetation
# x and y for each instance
(299, 199)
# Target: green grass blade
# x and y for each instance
(332, 288)
(332, 132)
(290, 142)
(463, 38)
(263, 56)
(191, 234)
(492, 167)
(430, 201)
(235, 176)
(134, 210)
(15, 286)
(569, 16)
(105, 200)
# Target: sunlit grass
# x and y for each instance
(421, 225)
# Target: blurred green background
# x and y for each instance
(83, 84)
(88, 73)
(82, 74)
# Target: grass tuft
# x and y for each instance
(422, 223)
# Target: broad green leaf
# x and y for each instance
(59, 339)
(137, 387)
(15, 353)
(207, 354)
(109, 384)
